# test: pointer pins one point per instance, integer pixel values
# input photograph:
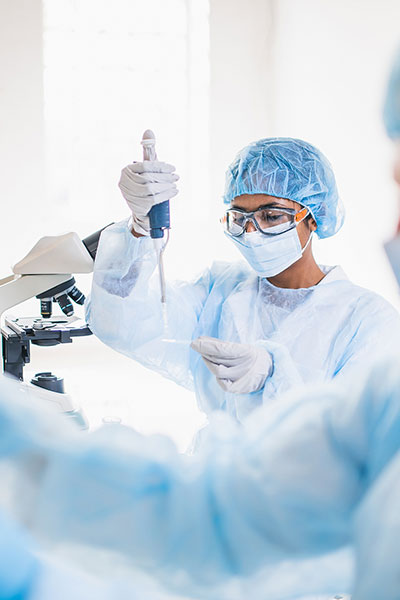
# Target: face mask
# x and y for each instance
(269, 256)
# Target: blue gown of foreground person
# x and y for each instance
(314, 334)
(305, 476)
(26, 573)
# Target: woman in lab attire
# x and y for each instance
(258, 327)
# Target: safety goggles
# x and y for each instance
(266, 219)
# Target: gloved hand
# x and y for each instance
(239, 368)
(144, 184)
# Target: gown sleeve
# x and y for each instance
(124, 307)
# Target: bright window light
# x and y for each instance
(113, 70)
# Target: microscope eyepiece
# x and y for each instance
(92, 241)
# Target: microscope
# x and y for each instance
(46, 273)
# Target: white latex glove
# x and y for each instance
(239, 368)
(144, 184)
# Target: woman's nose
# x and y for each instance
(249, 227)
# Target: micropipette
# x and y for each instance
(159, 221)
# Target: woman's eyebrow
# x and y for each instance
(272, 205)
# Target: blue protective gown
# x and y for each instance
(314, 334)
(27, 573)
(18, 566)
(314, 472)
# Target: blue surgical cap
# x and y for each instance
(391, 109)
(292, 169)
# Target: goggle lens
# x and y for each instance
(270, 221)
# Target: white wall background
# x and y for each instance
(22, 174)
(83, 79)
(331, 61)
